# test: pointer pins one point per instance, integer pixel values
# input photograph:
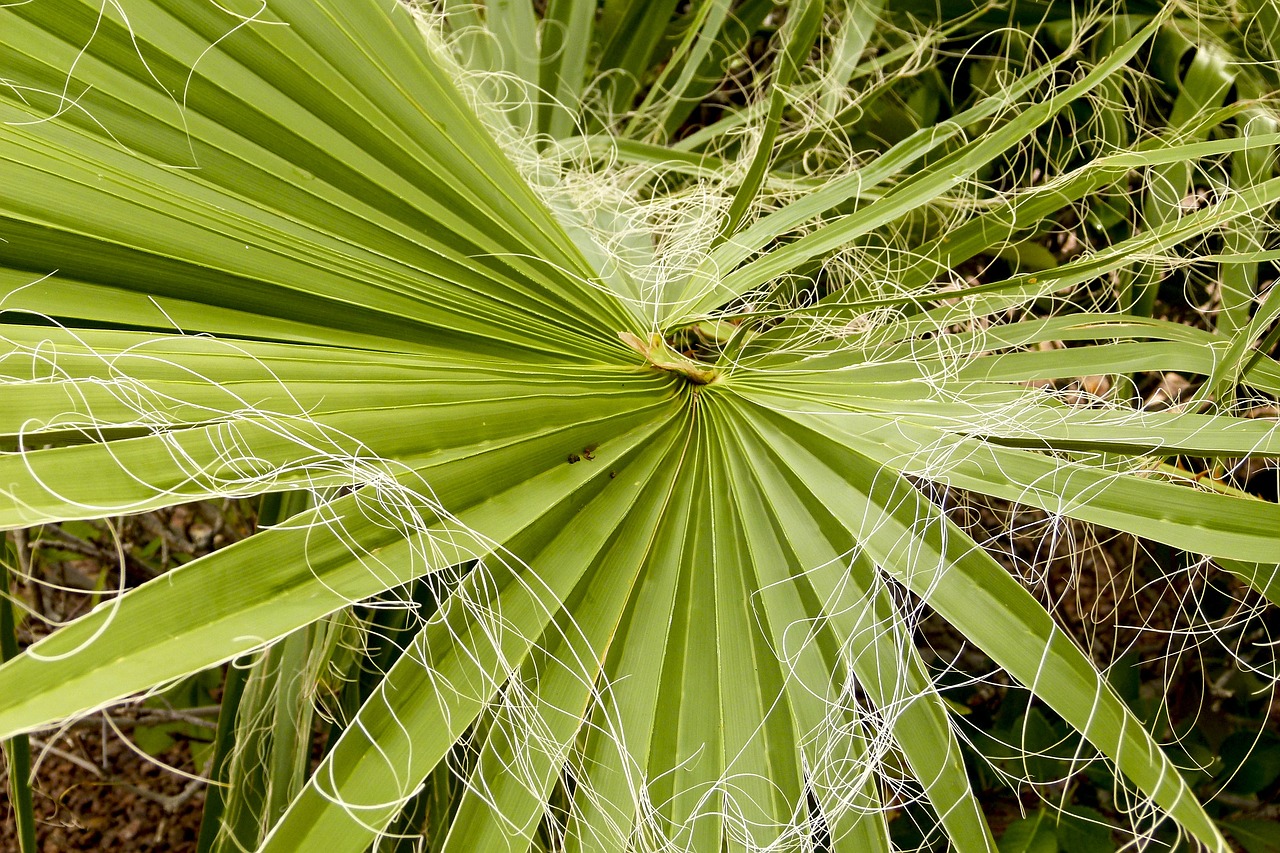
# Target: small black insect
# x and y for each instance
(573, 457)
(612, 474)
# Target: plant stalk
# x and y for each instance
(17, 750)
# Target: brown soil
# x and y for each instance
(126, 802)
(93, 788)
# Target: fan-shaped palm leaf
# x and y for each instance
(281, 250)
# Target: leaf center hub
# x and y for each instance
(661, 354)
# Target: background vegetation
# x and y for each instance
(646, 425)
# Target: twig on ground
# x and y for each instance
(169, 803)
(82, 763)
